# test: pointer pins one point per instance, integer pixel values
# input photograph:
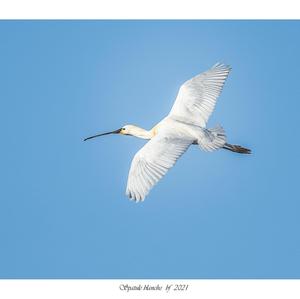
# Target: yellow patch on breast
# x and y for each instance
(154, 130)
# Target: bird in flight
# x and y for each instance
(185, 125)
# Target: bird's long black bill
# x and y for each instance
(98, 135)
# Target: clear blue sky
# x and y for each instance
(63, 209)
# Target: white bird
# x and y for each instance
(184, 125)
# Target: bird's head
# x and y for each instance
(129, 130)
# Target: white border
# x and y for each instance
(95, 289)
(154, 9)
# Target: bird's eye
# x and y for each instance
(123, 129)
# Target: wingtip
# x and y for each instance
(222, 65)
(134, 197)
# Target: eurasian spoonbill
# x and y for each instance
(183, 126)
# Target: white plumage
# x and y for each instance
(197, 97)
(153, 161)
(170, 138)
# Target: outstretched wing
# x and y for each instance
(152, 162)
(197, 97)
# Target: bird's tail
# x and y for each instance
(236, 148)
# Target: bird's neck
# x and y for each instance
(142, 133)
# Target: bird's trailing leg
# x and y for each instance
(236, 148)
